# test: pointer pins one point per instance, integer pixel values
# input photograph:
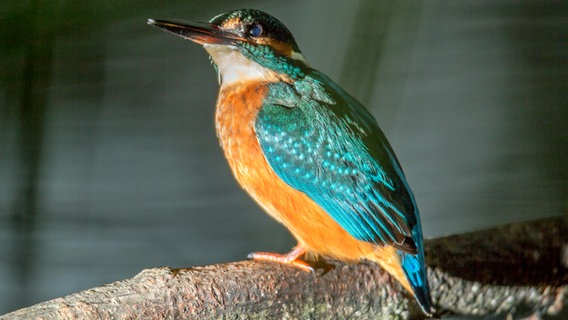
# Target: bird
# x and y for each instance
(311, 155)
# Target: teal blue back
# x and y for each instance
(321, 141)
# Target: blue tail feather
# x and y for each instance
(415, 270)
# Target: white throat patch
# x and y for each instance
(234, 67)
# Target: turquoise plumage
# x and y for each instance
(331, 148)
(323, 142)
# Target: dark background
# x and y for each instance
(109, 162)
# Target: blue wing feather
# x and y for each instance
(321, 141)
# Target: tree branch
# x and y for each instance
(517, 269)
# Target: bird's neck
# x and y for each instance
(233, 67)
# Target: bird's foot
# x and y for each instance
(291, 258)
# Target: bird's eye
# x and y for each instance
(255, 30)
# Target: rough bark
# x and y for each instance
(517, 270)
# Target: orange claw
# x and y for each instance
(291, 258)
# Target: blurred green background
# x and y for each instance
(109, 162)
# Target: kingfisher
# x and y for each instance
(308, 152)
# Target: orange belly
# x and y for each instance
(312, 226)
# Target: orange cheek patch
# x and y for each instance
(278, 46)
(231, 24)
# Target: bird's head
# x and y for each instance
(244, 44)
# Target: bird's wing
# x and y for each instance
(321, 141)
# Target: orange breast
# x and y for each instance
(237, 108)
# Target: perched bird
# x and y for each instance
(308, 152)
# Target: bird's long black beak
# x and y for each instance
(199, 32)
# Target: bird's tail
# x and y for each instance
(409, 270)
(415, 272)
